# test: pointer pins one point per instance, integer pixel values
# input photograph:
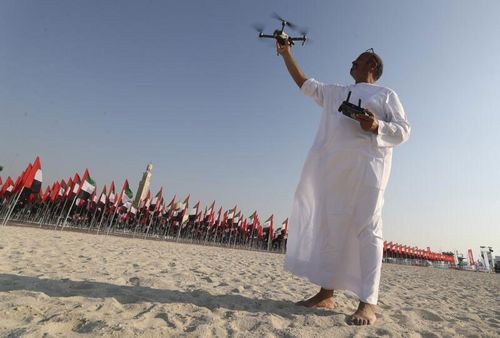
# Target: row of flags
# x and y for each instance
(77, 191)
(401, 250)
(64, 196)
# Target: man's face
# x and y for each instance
(362, 66)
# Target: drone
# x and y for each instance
(280, 35)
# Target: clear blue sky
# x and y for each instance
(113, 85)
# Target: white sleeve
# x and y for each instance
(397, 129)
(319, 91)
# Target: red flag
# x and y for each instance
(103, 198)
(156, 200)
(7, 187)
(68, 189)
(194, 210)
(33, 179)
(171, 206)
(146, 202)
(20, 180)
(60, 193)
(76, 184)
(125, 188)
(159, 205)
(217, 222)
(285, 227)
(46, 194)
(186, 202)
(112, 196)
(54, 191)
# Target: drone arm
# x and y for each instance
(303, 39)
(266, 36)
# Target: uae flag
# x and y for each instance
(68, 188)
(252, 216)
(236, 218)
(194, 210)
(19, 184)
(7, 187)
(209, 213)
(62, 189)
(269, 224)
(231, 212)
(126, 195)
(46, 195)
(112, 195)
(103, 197)
(147, 201)
(285, 227)
(76, 184)
(218, 216)
(156, 200)
(183, 206)
(94, 198)
(132, 209)
(34, 179)
(210, 210)
(87, 186)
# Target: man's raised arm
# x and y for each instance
(294, 70)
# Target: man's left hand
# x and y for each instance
(368, 122)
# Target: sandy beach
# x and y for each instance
(68, 284)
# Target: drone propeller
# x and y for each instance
(285, 22)
(303, 31)
(258, 27)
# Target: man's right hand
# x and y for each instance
(283, 49)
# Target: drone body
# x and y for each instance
(280, 35)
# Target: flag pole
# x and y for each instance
(111, 222)
(102, 217)
(44, 213)
(67, 215)
(62, 211)
(93, 216)
(139, 222)
(149, 225)
(9, 211)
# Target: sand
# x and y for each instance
(68, 284)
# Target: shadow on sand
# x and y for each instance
(139, 294)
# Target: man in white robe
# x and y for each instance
(335, 229)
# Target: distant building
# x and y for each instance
(142, 191)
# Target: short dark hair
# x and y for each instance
(378, 62)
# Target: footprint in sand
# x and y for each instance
(207, 279)
(85, 326)
(428, 315)
(135, 281)
(164, 316)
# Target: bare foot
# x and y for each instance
(323, 299)
(364, 315)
